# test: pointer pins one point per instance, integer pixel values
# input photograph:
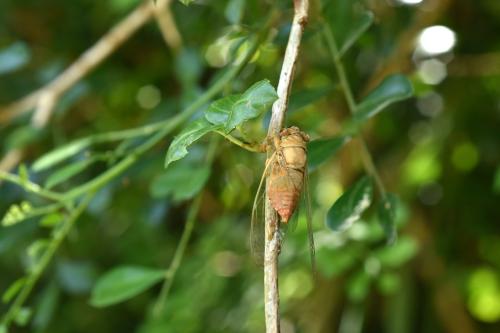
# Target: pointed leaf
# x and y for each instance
(181, 181)
(186, 2)
(360, 24)
(347, 21)
(60, 154)
(233, 110)
(319, 151)
(386, 212)
(191, 133)
(393, 89)
(123, 283)
(349, 207)
(305, 97)
(67, 172)
(51, 220)
(13, 290)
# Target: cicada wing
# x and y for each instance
(312, 248)
(257, 222)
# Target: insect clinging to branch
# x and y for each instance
(286, 170)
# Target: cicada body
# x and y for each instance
(286, 171)
(286, 178)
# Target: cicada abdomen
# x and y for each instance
(286, 178)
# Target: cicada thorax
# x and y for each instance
(286, 177)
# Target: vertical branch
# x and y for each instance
(272, 236)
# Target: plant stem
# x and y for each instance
(186, 235)
(255, 148)
(56, 241)
(351, 104)
(167, 127)
(272, 237)
(31, 187)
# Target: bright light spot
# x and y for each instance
(422, 165)
(410, 2)
(432, 71)
(148, 97)
(465, 156)
(436, 40)
(484, 295)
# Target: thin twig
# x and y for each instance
(351, 104)
(167, 25)
(10, 160)
(34, 276)
(272, 236)
(186, 235)
(254, 148)
(31, 187)
(45, 99)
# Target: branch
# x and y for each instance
(351, 104)
(45, 99)
(167, 25)
(35, 274)
(186, 235)
(272, 237)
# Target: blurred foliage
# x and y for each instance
(438, 152)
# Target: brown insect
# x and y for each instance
(287, 172)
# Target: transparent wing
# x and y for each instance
(257, 221)
(312, 248)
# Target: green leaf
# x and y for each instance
(394, 88)
(360, 24)
(191, 133)
(349, 207)
(123, 283)
(60, 154)
(180, 181)
(305, 97)
(67, 172)
(13, 290)
(234, 110)
(51, 220)
(398, 254)
(386, 212)
(319, 151)
(347, 22)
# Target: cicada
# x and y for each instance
(286, 170)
